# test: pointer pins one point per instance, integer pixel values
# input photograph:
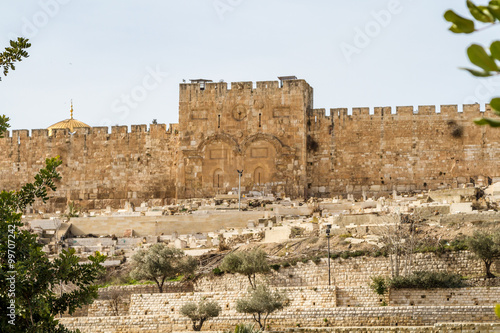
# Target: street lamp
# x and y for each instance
(328, 230)
(240, 172)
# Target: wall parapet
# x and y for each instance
(468, 110)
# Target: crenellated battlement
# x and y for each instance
(468, 110)
(259, 86)
(157, 129)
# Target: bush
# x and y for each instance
(276, 267)
(426, 280)
(245, 328)
(316, 260)
(379, 284)
(217, 271)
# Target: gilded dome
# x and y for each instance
(69, 124)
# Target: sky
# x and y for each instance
(121, 61)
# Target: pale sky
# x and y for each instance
(122, 61)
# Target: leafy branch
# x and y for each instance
(478, 55)
(16, 52)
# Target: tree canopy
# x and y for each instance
(261, 302)
(160, 263)
(199, 313)
(28, 278)
(246, 263)
(486, 246)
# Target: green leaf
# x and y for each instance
(460, 24)
(479, 57)
(477, 73)
(487, 121)
(495, 50)
(480, 15)
(495, 105)
(494, 9)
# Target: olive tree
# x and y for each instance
(160, 263)
(261, 302)
(246, 263)
(200, 312)
(486, 247)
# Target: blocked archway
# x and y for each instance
(259, 176)
(218, 179)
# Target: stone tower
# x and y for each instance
(260, 129)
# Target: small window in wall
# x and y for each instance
(260, 119)
(218, 121)
(202, 85)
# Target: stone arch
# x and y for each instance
(278, 145)
(259, 176)
(220, 137)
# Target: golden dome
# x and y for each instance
(69, 124)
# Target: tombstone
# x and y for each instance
(251, 224)
(175, 235)
(180, 244)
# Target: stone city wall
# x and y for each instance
(99, 169)
(272, 132)
(407, 150)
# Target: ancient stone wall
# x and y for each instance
(99, 169)
(271, 131)
(407, 150)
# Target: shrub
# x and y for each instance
(245, 328)
(217, 271)
(276, 267)
(335, 255)
(427, 280)
(344, 255)
(316, 260)
(379, 284)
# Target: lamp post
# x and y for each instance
(240, 172)
(328, 230)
